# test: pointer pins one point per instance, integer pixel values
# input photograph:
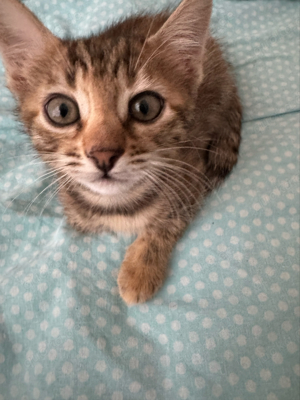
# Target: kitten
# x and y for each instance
(140, 122)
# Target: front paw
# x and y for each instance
(138, 283)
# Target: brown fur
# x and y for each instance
(168, 166)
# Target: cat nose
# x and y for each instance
(105, 159)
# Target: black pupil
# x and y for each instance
(144, 107)
(63, 108)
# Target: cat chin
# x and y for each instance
(107, 187)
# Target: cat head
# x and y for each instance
(101, 110)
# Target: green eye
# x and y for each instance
(61, 110)
(146, 106)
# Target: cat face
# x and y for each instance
(107, 111)
(103, 124)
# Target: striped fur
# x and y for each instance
(168, 166)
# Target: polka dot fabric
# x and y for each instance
(226, 323)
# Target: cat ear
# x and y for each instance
(23, 38)
(182, 38)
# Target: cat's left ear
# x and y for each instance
(181, 40)
(23, 39)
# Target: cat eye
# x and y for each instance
(146, 106)
(61, 110)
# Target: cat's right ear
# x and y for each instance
(182, 38)
(23, 39)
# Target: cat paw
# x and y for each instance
(138, 284)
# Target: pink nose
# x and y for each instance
(105, 159)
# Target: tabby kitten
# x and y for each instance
(140, 122)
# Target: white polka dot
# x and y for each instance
(100, 389)
(180, 368)
(30, 334)
(213, 276)
(285, 382)
(246, 291)
(175, 325)
(68, 345)
(183, 393)
(221, 313)
(178, 346)
(135, 387)
(256, 330)
(132, 342)
(250, 386)
(292, 347)
(151, 394)
(272, 396)
(225, 264)
(56, 312)
(207, 323)
(286, 326)
(199, 285)
(296, 369)
(160, 319)
(165, 361)
(233, 379)
(14, 291)
(167, 384)
(188, 298)
(282, 305)
(100, 366)
(171, 289)
(52, 354)
(191, 316)
(265, 374)
(217, 390)
(241, 340)
(67, 368)
(210, 343)
(117, 374)
(199, 382)
(228, 281)
(224, 334)
(233, 300)
(277, 358)
(55, 332)
(148, 348)
(217, 294)
(84, 352)
(214, 367)
(245, 362)
(163, 339)
(238, 319)
(115, 396)
(228, 355)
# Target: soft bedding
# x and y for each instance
(226, 323)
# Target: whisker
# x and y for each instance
(53, 173)
(147, 36)
(170, 165)
(182, 185)
(55, 193)
(153, 179)
(187, 147)
(47, 187)
(202, 176)
(164, 184)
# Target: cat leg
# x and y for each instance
(144, 268)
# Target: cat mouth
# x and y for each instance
(106, 180)
(105, 185)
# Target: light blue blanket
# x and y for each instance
(226, 323)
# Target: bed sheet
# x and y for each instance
(226, 323)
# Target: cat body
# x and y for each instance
(140, 123)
